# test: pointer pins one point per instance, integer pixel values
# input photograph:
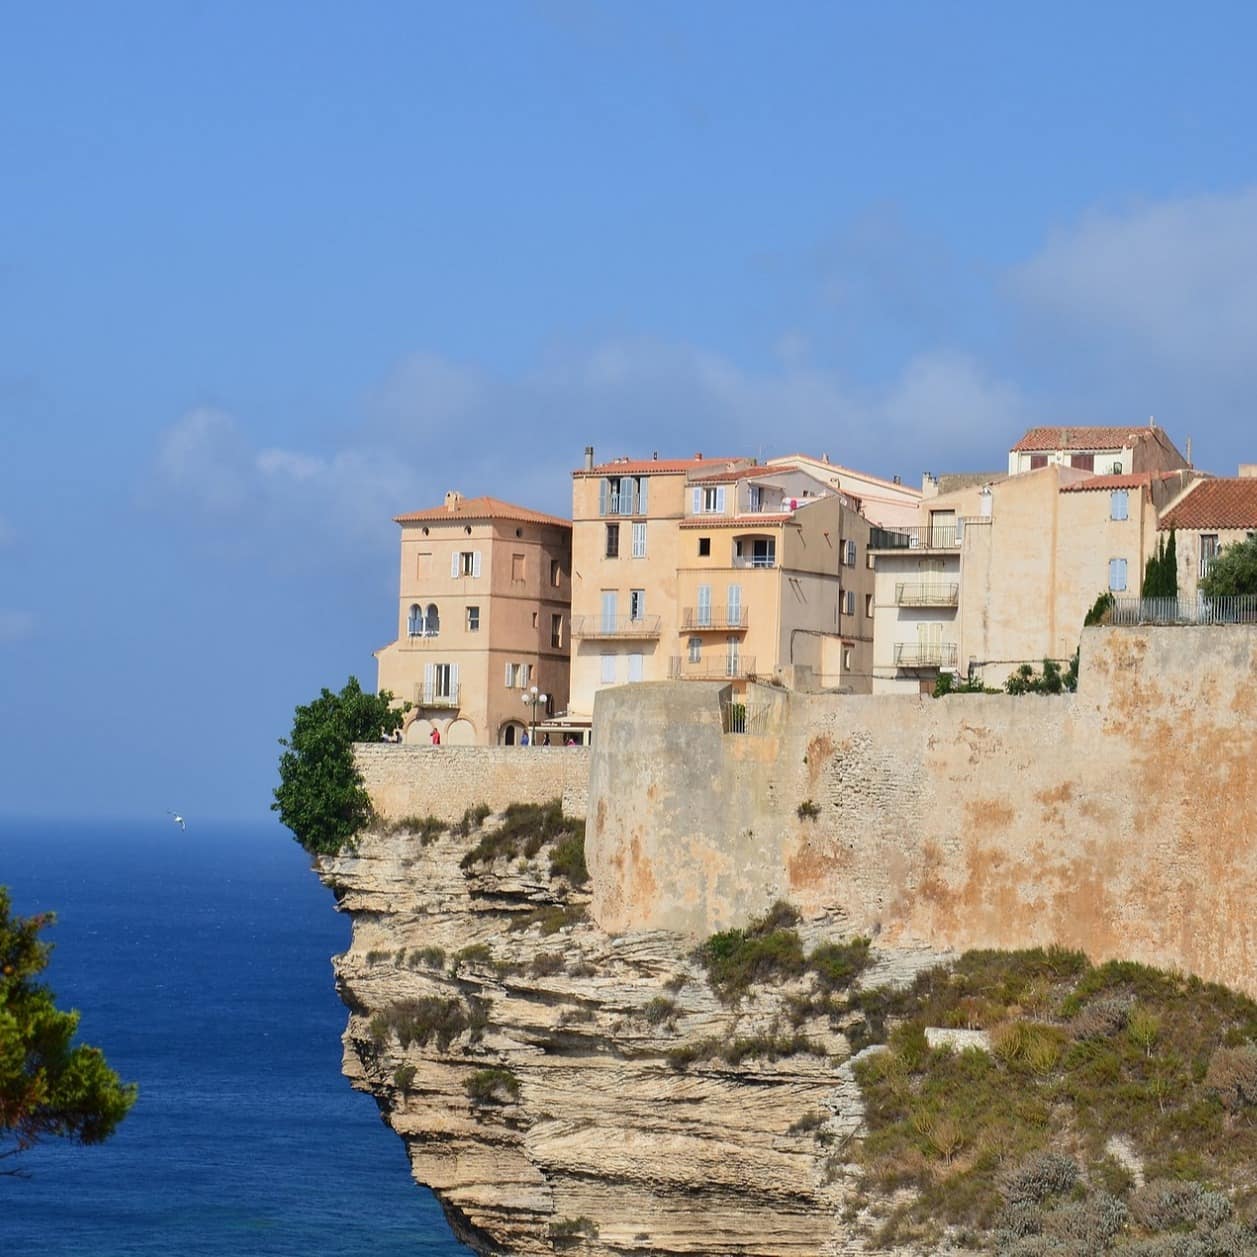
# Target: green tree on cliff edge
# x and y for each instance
(48, 1086)
(1233, 572)
(320, 796)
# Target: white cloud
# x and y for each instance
(1174, 283)
(15, 626)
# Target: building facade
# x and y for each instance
(483, 610)
(1210, 516)
(1106, 451)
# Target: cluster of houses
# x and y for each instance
(798, 572)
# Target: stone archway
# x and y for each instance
(417, 733)
(510, 732)
(460, 733)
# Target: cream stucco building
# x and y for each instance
(1001, 571)
(485, 593)
(1210, 516)
(715, 568)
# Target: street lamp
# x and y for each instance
(534, 698)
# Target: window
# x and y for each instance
(709, 500)
(609, 610)
(608, 670)
(518, 675)
(431, 621)
(848, 556)
(639, 540)
(556, 630)
(1086, 461)
(848, 602)
(868, 605)
(1118, 504)
(536, 618)
(735, 606)
(414, 621)
(704, 606)
(1037, 461)
(637, 604)
(440, 682)
(704, 547)
(473, 619)
(755, 497)
(622, 495)
(846, 660)
(421, 623)
(1209, 545)
(732, 656)
(635, 667)
(756, 551)
(1117, 575)
(517, 567)
(696, 649)
(613, 541)
(556, 574)
(465, 563)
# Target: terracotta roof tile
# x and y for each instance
(1136, 480)
(638, 466)
(737, 521)
(1221, 503)
(480, 508)
(1071, 437)
(742, 473)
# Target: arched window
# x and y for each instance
(432, 622)
(414, 624)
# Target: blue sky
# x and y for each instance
(270, 274)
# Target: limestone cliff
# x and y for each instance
(579, 1091)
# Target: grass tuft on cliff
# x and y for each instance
(1081, 1055)
(525, 829)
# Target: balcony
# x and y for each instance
(725, 667)
(702, 619)
(928, 537)
(925, 654)
(926, 594)
(432, 697)
(609, 627)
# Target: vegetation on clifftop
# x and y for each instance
(320, 796)
(1090, 1068)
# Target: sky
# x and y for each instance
(271, 274)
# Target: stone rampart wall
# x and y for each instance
(443, 781)
(1119, 820)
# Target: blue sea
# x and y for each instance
(200, 963)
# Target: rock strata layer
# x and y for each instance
(560, 1088)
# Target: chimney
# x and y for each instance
(897, 480)
(452, 499)
(1189, 451)
(699, 456)
(589, 458)
(654, 456)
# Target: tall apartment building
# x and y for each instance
(484, 598)
(715, 569)
(1002, 571)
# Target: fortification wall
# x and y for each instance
(1119, 820)
(443, 781)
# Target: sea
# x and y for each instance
(200, 962)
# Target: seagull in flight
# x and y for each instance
(178, 819)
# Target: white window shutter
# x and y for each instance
(509, 677)
(698, 501)
(720, 500)
(602, 497)
(429, 681)
(453, 680)
(635, 667)
(527, 681)
(641, 495)
(456, 564)
(475, 563)
(735, 604)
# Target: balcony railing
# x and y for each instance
(700, 618)
(432, 696)
(723, 668)
(927, 537)
(1130, 609)
(755, 560)
(1206, 562)
(925, 654)
(609, 626)
(926, 594)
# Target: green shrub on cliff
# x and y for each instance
(320, 796)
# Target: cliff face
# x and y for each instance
(575, 1090)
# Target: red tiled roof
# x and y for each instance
(637, 466)
(1082, 438)
(1221, 503)
(737, 521)
(743, 473)
(480, 508)
(1136, 480)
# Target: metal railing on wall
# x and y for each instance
(1128, 609)
(737, 716)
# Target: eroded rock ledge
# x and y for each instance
(539, 1079)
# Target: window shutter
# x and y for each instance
(429, 681)
(698, 501)
(1117, 575)
(635, 668)
(641, 495)
(453, 680)
(527, 670)
(475, 563)
(735, 604)
(602, 497)
(720, 500)
(456, 564)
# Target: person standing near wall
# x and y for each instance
(436, 737)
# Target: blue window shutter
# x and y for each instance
(641, 495)
(602, 497)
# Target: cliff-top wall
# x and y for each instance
(1119, 820)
